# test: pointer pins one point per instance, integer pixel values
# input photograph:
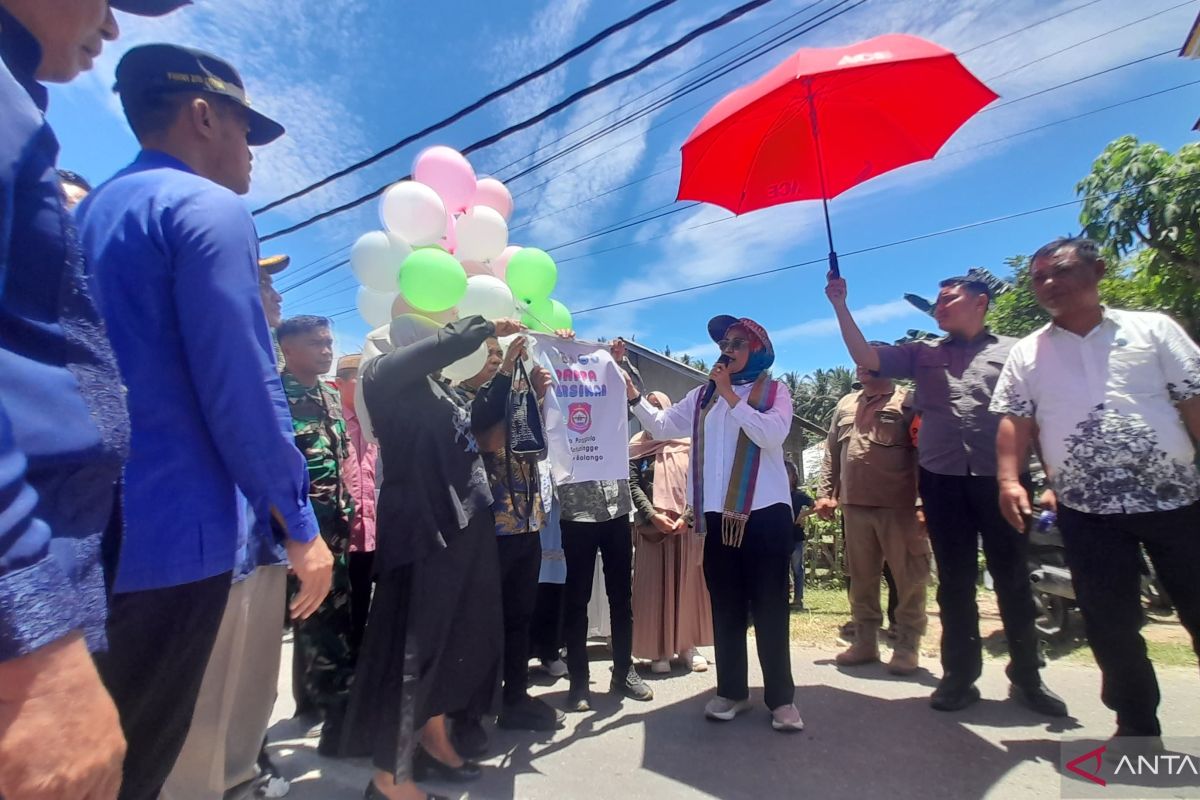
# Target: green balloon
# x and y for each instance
(539, 316)
(432, 280)
(560, 317)
(532, 274)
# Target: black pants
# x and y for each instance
(614, 541)
(1102, 552)
(520, 562)
(159, 642)
(361, 582)
(546, 631)
(752, 581)
(959, 509)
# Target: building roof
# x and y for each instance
(701, 377)
(1191, 46)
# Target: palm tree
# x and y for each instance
(816, 395)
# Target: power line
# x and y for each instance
(570, 100)
(574, 52)
(871, 249)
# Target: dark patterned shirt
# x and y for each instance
(322, 437)
(1112, 438)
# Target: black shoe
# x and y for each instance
(469, 737)
(428, 768)
(530, 714)
(1124, 744)
(579, 699)
(632, 686)
(373, 793)
(798, 604)
(330, 745)
(953, 697)
(1040, 699)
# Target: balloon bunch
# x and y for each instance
(444, 253)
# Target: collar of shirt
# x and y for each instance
(155, 159)
(1106, 318)
(984, 336)
(295, 389)
(22, 55)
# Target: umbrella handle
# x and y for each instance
(834, 272)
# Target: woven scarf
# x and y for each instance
(743, 477)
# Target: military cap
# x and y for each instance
(158, 68)
(273, 265)
(148, 8)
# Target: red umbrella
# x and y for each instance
(827, 119)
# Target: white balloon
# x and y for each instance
(375, 307)
(414, 212)
(488, 297)
(467, 367)
(376, 258)
(482, 234)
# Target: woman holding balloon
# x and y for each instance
(434, 632)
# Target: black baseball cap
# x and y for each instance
(148, 8)
(157, 68)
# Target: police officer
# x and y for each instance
(64, 430)
(323, 640)
(173, 256)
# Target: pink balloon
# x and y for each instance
(449, 242)
(449, 174)
(494, 194)
(499, 264)
(441, 317)
(476, 268)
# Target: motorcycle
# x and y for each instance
(1053, 590)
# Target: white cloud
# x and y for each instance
(277, 48)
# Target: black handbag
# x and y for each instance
(525, 436)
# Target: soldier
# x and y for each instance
(324, 639)
(870, 471)
(272, 301)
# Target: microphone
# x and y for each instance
(712, 385)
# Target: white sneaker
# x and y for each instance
(557, 668)
(787, 718)
(723, 709)
(695, 661)
(660, 667)
(275, 787)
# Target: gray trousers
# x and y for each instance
(238, 692)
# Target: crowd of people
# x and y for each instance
(179, 482)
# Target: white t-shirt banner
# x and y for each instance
(587, 417)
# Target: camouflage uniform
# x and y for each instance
(323, 640)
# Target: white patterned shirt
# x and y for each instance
(1105, 405)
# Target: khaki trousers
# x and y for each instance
(238, 692)
(875, 535)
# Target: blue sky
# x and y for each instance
(350, 77)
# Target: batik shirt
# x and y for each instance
(1105, 405)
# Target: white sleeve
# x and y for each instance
(672, 423)
(766, 428)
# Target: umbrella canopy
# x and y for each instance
(827, 119)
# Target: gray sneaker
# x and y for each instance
(723, 709)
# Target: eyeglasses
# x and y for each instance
(732, 344)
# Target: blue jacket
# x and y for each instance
(63, 426)
(173, 259)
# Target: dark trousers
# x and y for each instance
(520, 562)
(159, 642)
(959, 510)
(1105, 562)
(614, 541)
(745, 582)
(546, 631)
(361, 582)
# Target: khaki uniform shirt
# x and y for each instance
(870, 457)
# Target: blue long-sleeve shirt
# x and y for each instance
(173, 259)
(63, 426)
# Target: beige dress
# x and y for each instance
(672, 612)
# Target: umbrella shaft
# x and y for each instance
(812, 118)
